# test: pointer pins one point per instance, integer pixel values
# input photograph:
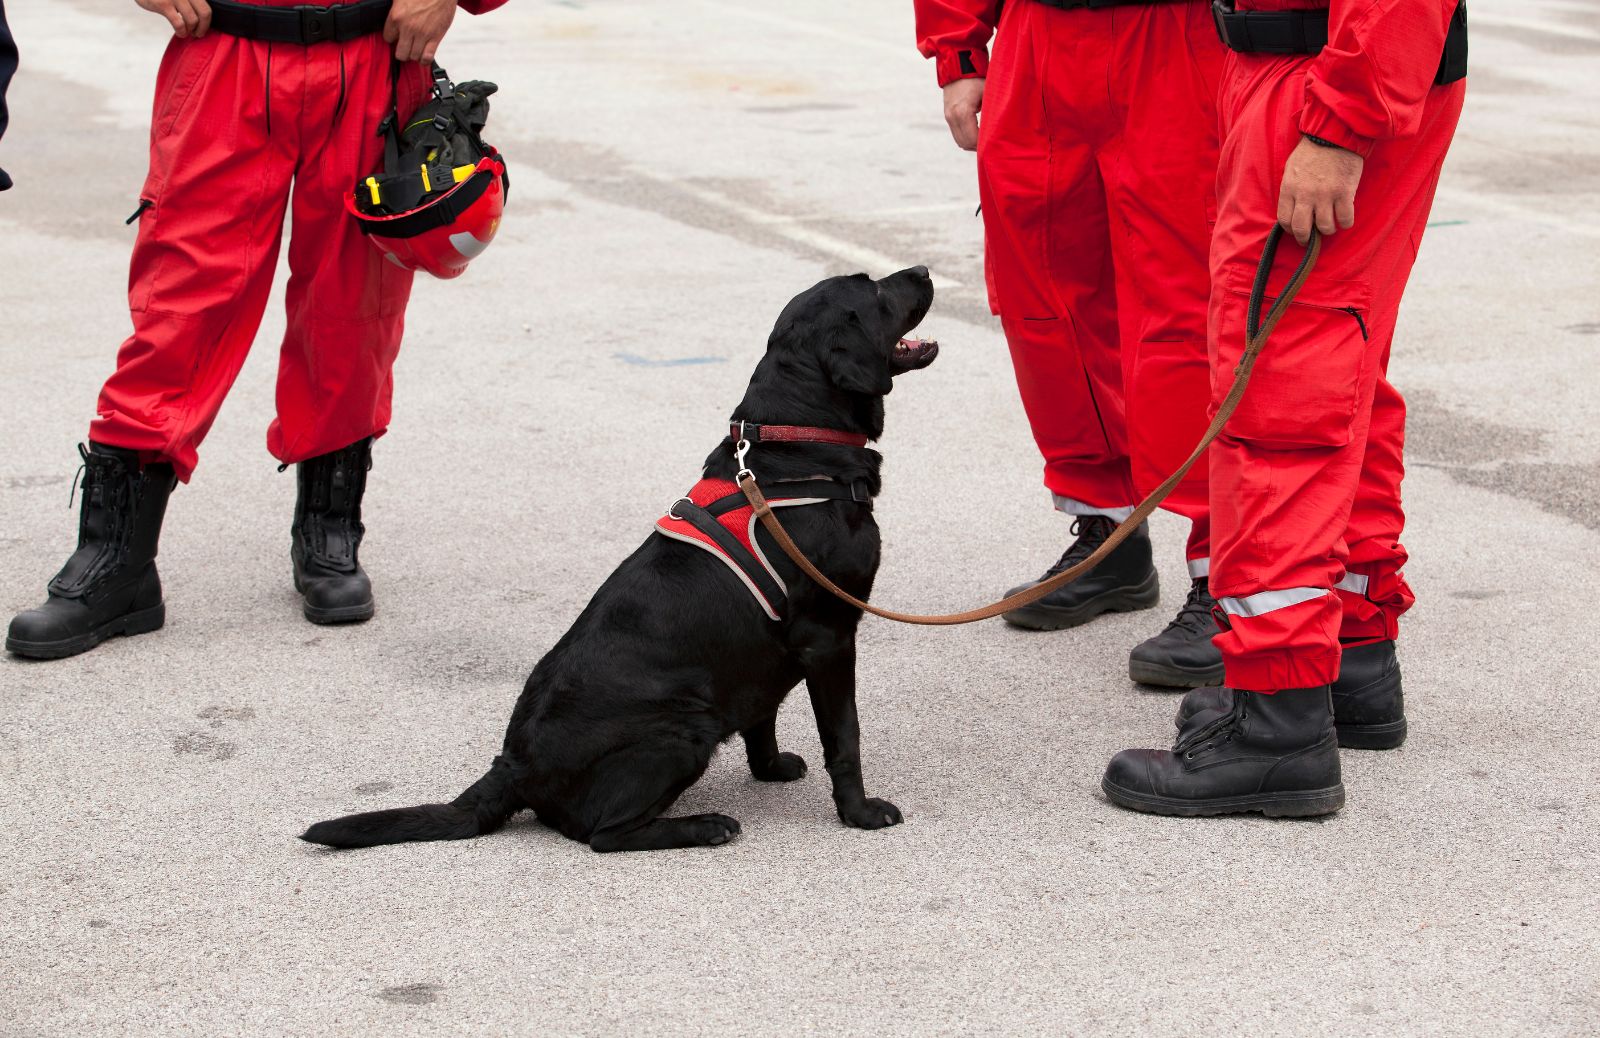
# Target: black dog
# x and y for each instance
(672, 657)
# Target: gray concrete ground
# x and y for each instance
(682, 168)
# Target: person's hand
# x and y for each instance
(962, 100)
(415, 27)
(188, 17)
(1319, 190)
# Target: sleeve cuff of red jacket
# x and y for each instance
(1318, 120)
(952, 65)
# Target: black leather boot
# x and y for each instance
(327, 533)
(1124, 582)
(109, 586)
(1275, 754)
(1368, 704)
(1181, 656)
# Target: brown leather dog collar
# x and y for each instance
(752, 433)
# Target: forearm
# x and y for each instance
(1369, 83)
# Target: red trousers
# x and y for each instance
(243, 132)
(1096, 164)
(1305, 480)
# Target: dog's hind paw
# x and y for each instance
(871, 813)
(785, 767)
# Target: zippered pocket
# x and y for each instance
(1306, 384)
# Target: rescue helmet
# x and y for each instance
(437, 202)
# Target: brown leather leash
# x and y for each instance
(1257, 332)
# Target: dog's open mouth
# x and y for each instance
(912, 354)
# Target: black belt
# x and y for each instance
(1095, 5)
(1306, 32)
(305, 24)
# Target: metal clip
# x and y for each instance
(741, 449)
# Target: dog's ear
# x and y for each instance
(854, 363)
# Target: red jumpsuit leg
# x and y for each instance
(1314, 433)
(346, 304)
(1373, 591)
(1045, 115)
(207, 246)
(1160, 179)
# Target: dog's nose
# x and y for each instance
(920, 271)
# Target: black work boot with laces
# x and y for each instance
(327, 536)
(1270, 753)
(109, 586)
(1182, 656)
(1368, 704)
(1124, 582)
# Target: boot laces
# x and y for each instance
(1196, 614)
(1217, 733)
(1091, 531)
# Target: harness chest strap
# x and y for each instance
(716, 517)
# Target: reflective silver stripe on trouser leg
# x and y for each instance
(1071, 506)
(1269, 601)
(1355, 583)
(1199, 568)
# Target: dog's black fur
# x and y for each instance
(672, 657)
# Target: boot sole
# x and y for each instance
(1038, 617)
(1387, 736)
(141, 621)
(339, 614)
(1303, 804)
(1165, 675)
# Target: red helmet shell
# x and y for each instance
(442, 236)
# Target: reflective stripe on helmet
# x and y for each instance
(466, 243)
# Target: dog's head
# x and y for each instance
(836, 349)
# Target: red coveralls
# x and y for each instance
(1095, 171)
(1305, 480)
(236, 123)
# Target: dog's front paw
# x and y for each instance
(785, 767)
(871, 813)
(715, 829)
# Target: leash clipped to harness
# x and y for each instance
(1257, 331)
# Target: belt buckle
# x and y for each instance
(1220, 9)
(317, 24)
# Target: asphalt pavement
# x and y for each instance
(681, 168)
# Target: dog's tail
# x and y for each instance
(482, 809)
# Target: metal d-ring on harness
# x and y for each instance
(1257, 331)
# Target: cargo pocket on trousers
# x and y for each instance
(1307, 382)
(182, 67)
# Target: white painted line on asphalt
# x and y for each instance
(1534, 25)
(1517, 211)
(798, 25)
(970, 208)
(788, 227)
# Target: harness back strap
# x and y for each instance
(305, 24)
(1256, 331)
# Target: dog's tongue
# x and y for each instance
(912, 345)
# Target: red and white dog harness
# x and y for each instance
(717, 517)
